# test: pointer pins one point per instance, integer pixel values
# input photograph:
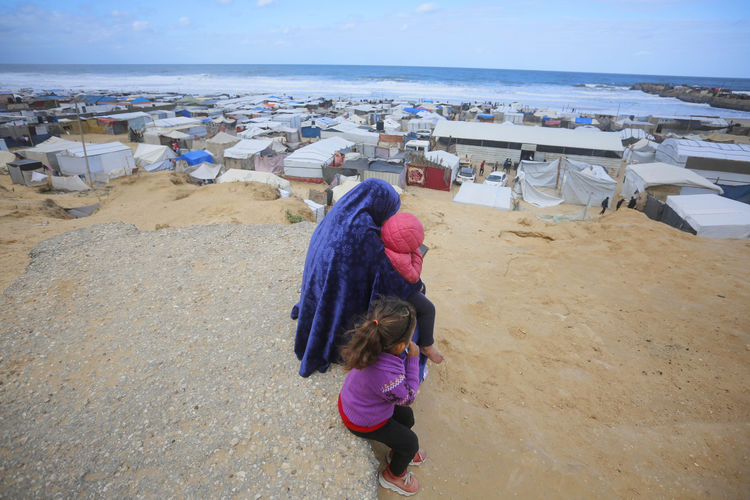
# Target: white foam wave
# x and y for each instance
(592, 98)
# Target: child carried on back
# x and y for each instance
(374, 401)
(402, 234)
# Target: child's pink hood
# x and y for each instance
(402, 234)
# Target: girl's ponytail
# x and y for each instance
(390, 322)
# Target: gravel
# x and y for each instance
(161, 363)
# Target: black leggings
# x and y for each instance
(425, 317)
(397, 434)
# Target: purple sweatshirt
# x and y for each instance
(368, 396)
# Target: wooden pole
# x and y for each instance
(83, 143)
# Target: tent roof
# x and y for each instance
(205, 171)
(508, 132)
(656, 174)
(223, 138)
(52, 145)
(177, 121)
(239, 175)
(321, 151)
(246, 148)
(176, 134)
(127, 116)
(96, 149)
(677, 151)
(713, 216)
(484, 195)
(444, 158)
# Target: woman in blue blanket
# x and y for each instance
(345, 269)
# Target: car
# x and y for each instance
(497, 178)
(465, 174)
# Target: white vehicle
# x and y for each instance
(496, 178)
(465, 174)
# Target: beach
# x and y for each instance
(598, 358)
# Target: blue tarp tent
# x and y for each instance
(196, 157)
(182, 112)
(584, 121)
(414, 111)
(739, 193)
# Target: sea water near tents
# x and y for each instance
(587, 92)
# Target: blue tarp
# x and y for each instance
(310, 132)
(739, 193)
(585, 121)
(182, 112)
(413, 111)
(140, 100)
(485, 116)
(196, 157)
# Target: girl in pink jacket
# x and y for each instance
(402, 235)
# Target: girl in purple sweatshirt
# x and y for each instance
(374, 400)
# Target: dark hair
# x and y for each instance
(389, 322)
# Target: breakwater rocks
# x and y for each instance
(716, 97)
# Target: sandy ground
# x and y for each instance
(606, 358)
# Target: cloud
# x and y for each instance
(263, 3)
(404, 27)
(425, 8)
(184, 21)
(141, 25)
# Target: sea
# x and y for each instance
(556, 90)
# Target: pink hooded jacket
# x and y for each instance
(402, 234)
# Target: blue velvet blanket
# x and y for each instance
(345, 269)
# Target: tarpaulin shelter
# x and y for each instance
(205, 172)
(22, 172)
(534, 196)
(446, 159)
(541, 173)
(392, 173)
(47, 151)
(712, 216)
(154, 158)
(218, 143)
(106, 161)
(484, 195)
(239, 175)
(307, 162)
(242, 154)
(588, 186)
(663, 179)
(196, 157)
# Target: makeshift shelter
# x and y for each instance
(534, 196)
(392, 173)
(154, 158)
(220, 142)
(47, 151)
(662, 179)
(541, 173)
(307, 162)
(192, 158)
(446, 159)
(484, 195)
(106, 161)
(120, 123)
(588, 186)
(721, 163)
(204, 172)
(22, 172)
(239, 175)
(710, 215)
(242, 154)
(5, 157)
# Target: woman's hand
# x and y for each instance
(413, 349)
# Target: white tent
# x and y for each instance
(307, 162)
(246, 148)
(153, 158)
(251, 132)
(106, 161)
(677, 151)
(534, 196)
(645, 175)
(484, 195)
(219, 143)
(205, 172)
(713, 216)
(588, 186)
(239, 175)
(540, 173)
(46, 152)
(445, 159)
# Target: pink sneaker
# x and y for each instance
(406, 485)
(418, 459)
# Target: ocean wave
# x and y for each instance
(584, 97)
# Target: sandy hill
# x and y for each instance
(606, 358)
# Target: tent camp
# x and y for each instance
(153, 158)
(712, 216)
(106, 161)
(22, 172)
(580, 183)
(46, 152)
(242, 154)
(720, 163)
(220, 142)
(307, 162)
(484, 195)
(663, 179)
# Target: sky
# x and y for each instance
(662, 37)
